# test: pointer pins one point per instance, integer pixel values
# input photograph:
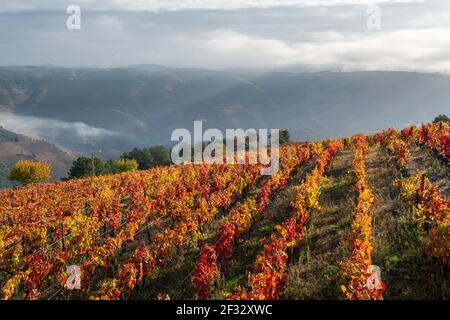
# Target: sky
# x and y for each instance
(224, 34)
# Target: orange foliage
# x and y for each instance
(267, 281)
(354, 269)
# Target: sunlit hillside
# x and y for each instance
(366, 217)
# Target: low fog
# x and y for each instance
(61, 133)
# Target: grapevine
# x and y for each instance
(355, 269)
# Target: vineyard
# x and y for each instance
(362, 218)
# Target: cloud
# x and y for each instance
(178, 5)
(55, 131)
(431, 20)
(236, 48)
(108, 23)
(405, 49)
(320, 35)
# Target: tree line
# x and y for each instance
(137, 159)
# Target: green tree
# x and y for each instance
(285, 136)
(29, 172)
(143, 157)
(161, 155)
(87, 167)
(149, 157)
(441, 118)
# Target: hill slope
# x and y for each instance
(319, 228)
(15, 147)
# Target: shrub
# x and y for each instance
(29, 172)
(124, 165)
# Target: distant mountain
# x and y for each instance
(155, 68)
(118, 109)
(15, 147)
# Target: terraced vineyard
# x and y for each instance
(335, 213)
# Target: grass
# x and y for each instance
(246, 251)
(399, 242)
(315, 265)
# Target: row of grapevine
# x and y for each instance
(267, 281)
(137, 199)
(355, 271)
(187, 230)
(392, 141)
(99, 223)
(33, 214)
(241, 218)
(435, 136)
(46, 215)
(433, 211)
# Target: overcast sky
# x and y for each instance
(218, 34)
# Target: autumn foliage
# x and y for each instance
(29, 172)
(127, 228)
(355, 268)
(435, 136)
(392, 140)
(205, 272)
(267, 281)
(242, 216)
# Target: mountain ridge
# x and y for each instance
(120, 108)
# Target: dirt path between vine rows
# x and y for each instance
(399, 243)
(314, 266)
(249, 246)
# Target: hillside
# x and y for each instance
(15, 147)
(4, 177)
(122, 108)
(336, 212)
